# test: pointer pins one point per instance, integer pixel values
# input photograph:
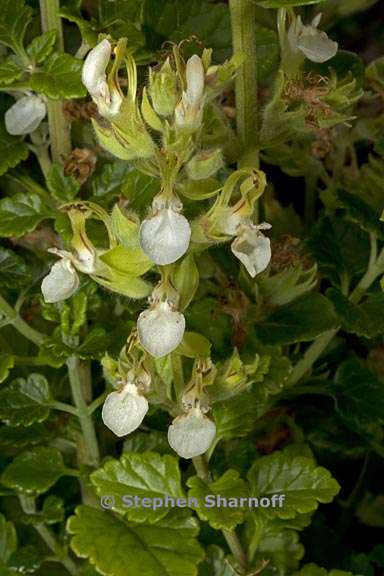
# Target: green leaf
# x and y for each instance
(340, 249)
(216, 564)
(361, 213)
(12, 151)
(9, 71)
(285, 3)
(147, 475)
(8, 539)
(59, 77)
(51, 512)
(14, 19)
(194, 345)
(110, 179)
(7, 362)
(359, 393)
(41, 46)
(21, 213)
(302, 482)
(185, 279)
(366, 319)
(35, 471)
(62, 187)
(229, 485)
(236, 418)
(176, 20)
(131, 261)
(118, 548)
(14, 271)
(299, 321)
(25, 401)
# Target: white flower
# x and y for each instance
(188, 112)
(25, 115)
(61, 282)
(313, 43)
(165, 237)
(107, 99)
(252, 248)
(160, 329)
(191, 434)
(124, 411)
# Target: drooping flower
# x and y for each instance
(107, 96)
(124, 411)
(165, 236)
(252, 248)
(161, 329)
(25, 115)
(311, 41)
(61, 282)
(191, 434)
(188, 113)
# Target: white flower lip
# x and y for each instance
(313, 43)
(160, 329)
(25, 115)
(191, 434)
(95, 80)
(253, 249)
(61, 282)
(165, 237)
(124, 411)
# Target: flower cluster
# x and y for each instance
(163, 133)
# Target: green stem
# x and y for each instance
(20, 324)
(59, 131)
(234, 544)
(28, 506)
(316, 349)
(89, 454)
(243, 20)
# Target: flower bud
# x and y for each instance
(165, 236)
(124, 411)
(252, 248)
(204, 164)
(25, 115)
(313, 43)
(61, 282)
(108, 98)
(160, 329)
(191, 434)
(188, 113)
(163, 89)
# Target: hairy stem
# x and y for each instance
(59, 131)
(234, 544)
(21, 326)
(243, 20)
(89, 453)
(49, 537)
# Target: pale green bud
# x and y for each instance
(163, 89)
(25, 115)
(191, 434)
(124, 411)
(204, 164)
(107, 96)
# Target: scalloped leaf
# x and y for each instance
(119, 548)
